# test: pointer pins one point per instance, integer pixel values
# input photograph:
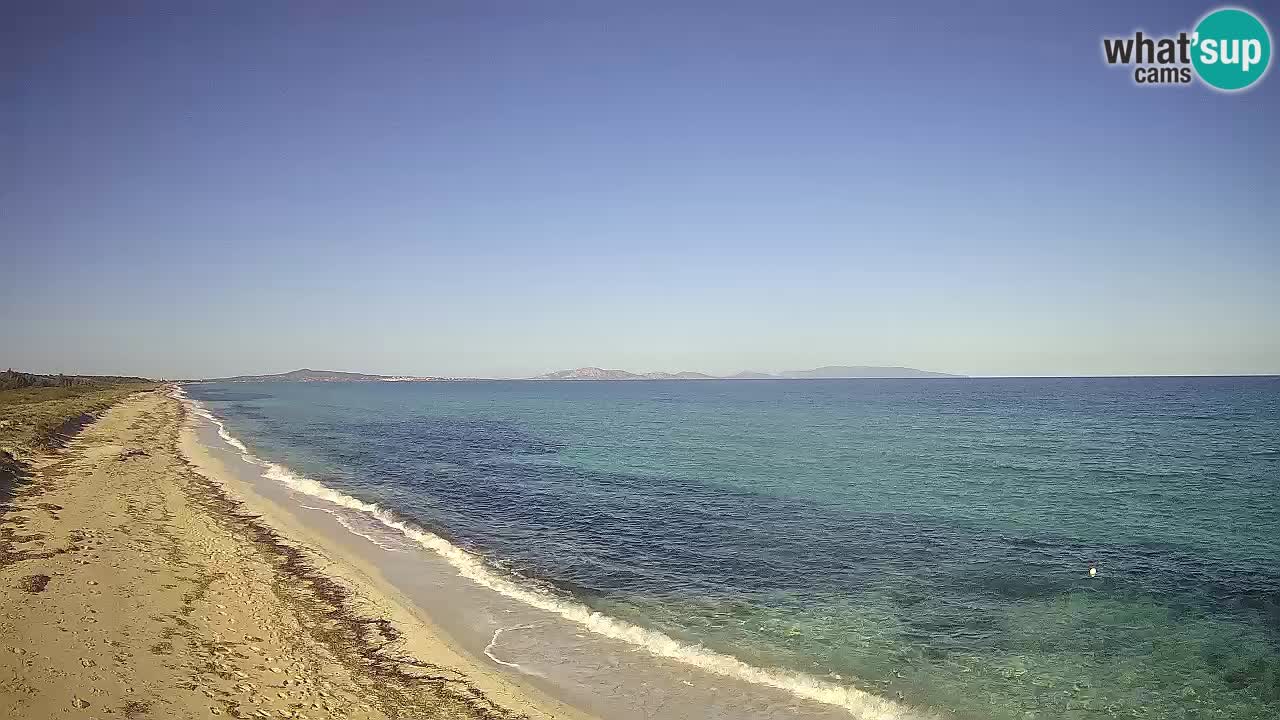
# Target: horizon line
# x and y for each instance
(462, 378)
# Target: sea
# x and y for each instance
(814, 548)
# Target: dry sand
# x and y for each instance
(136, 584)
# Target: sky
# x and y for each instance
(499, 189)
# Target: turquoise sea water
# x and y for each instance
(924, 537)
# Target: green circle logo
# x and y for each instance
(1232, 49)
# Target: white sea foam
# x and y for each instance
(229, 438)
(488, 650)
(197, 408)
(351, 528)
(859, 703)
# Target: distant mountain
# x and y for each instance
(308, 375)
(590, 373)
(830, 371)
(862, 371)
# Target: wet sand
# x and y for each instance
(133, 584)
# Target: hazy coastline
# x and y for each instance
(827, 372)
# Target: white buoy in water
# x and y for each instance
(1093, 571)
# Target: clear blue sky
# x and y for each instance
(504, 188)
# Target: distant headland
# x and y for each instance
(330, 376)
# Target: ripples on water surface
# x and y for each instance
(929, 537)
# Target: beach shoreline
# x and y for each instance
(137, 577)
(552, 645)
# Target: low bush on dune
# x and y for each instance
(39, 411)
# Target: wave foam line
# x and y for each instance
(345, 523)
(859, 703)
(493, 642)
(199, 409)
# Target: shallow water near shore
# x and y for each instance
(929, 538)
(561, 647)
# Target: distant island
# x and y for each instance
(826, 372)
(329, 376)
(864, 371)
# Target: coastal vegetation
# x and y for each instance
(39, 411)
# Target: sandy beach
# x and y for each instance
(135, 581)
